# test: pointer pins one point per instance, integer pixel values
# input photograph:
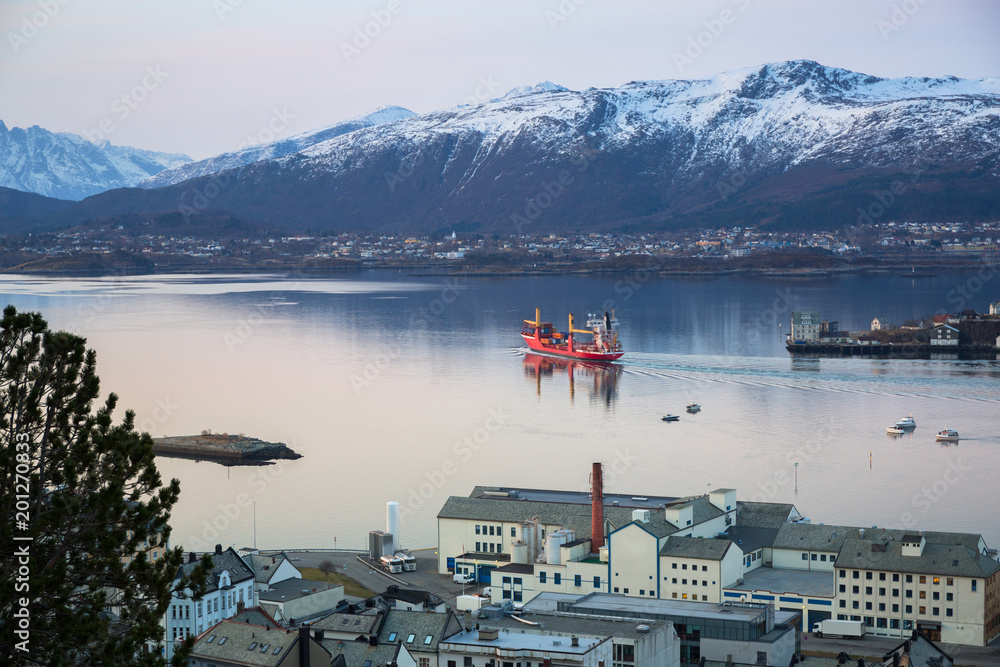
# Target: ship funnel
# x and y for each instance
(597, 508)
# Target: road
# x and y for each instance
(876, 647)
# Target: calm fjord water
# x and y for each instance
(417, 388)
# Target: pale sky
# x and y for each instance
(202, 76)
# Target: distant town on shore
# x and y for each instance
(163, 244)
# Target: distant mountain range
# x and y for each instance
(67, 166)
(791, 144)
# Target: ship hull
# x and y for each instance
(562, 351)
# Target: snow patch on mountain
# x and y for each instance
(276, 149)
(543, 87)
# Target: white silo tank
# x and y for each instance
(392, 523)
(553, 541)
(519, 553)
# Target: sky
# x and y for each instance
(202, 77)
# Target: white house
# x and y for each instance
(228, 591)
(269, 570)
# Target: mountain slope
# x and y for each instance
(744, 145)
(274, 149)
(66, 166)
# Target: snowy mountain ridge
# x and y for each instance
(275, 149)
(67, 166)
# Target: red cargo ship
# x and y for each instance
(602, 345)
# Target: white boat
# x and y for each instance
(947, 435)
(907, 422)
(670, 418)
(694, 407)
(894, 430)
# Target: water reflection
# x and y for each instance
(599, 379)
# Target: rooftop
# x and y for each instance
(939, 559)
(620, 605)
(526, 640)
(293, 589)
(570, 497)
(243, 644)
(793, 582)
(228, 560)
(575, 624)
(695, 547)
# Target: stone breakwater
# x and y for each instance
(222, 448)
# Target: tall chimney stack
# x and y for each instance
(597, 508)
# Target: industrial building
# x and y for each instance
(712, 549)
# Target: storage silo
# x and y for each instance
(392, 523)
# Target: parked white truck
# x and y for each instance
(834, 628)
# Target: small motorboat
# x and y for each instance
(947, 435)
(907, 422)
(894, 430)
(694, 407)
(670, 418)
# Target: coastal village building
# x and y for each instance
(298, 600)
(229, 591)
(944, 334)
(712, 549)
(805, 325)
(487, 647)
(880, 324)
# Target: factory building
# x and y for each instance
(713, 549)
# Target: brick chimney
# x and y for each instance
(597, 508)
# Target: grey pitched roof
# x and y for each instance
(361, 624)
(937, 559)
(763, 515)
(264, 567)
(573, 515)
(255, 616)
(695, 547)
(750, 539)
(235, 648)
(293, 589)
(816, 537)
(420, 624)
(358, 654)
(229, 560)
(813, 537)
(412, 596)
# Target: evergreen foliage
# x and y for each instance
(82, 503)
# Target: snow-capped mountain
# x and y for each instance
(67, 166)
(275, 149)
(543, 87)
(751, 142)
